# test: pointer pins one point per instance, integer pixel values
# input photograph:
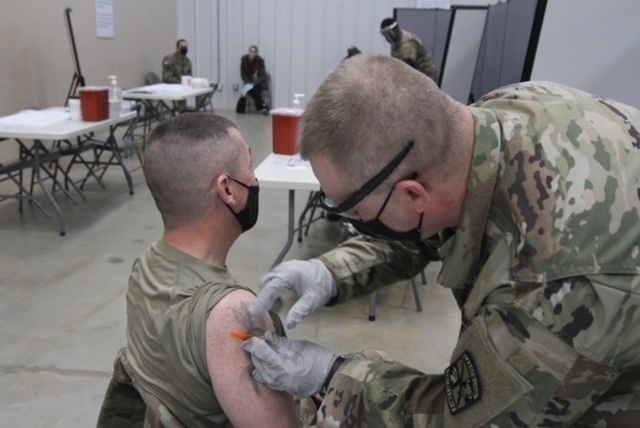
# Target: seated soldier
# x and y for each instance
(177, 64)
(186, 315)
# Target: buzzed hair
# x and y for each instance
(180, 41)
(182, 157)
(368, 109)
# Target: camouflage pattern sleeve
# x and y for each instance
(508, 369)
(412, 51)
(168, 75)
(363, 264)
(408, 50)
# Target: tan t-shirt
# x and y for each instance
(169, 298)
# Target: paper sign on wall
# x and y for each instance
(104, 19)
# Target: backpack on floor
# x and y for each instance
(242, 105)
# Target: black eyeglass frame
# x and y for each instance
(369, 186)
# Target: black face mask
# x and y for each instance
(249, 215)
(184, 51)
(377, 229)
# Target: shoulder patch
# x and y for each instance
(462, 384)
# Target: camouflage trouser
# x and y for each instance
(127, 405)
(542, 383)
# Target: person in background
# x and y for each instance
(177, 64)
(254, 72)
(407, 47)
(186, 315)
(529, 197)
(352, 51)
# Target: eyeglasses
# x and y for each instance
(367, 188)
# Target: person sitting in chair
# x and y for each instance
(254, 72)
(186, 315)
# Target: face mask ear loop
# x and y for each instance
(386, 201)
(419, 228)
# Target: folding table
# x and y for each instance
(36, 156)
(286, 172)
(163, 99)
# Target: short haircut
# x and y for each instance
(182, 157)
(180, 41)
(254, 47)
(368, 109)
(386, 22)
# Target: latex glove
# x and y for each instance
(311, 280)
(298, 367)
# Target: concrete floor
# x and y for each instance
(62, 304)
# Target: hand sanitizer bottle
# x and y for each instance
(115, 98)
(296, 101)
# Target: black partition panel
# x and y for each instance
(430, 25)
(508, 46)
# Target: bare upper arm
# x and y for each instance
(243, 400)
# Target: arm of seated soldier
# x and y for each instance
(167, 71)
(243, 400)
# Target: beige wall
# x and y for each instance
(36, 67)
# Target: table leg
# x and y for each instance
(290, 231)
(48, 194)
(114, 147)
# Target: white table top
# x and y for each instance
(165, 91)
(286, 172)
(61, 130)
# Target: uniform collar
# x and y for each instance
(461, 253)
(204, 270)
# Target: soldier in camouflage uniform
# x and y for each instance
(407, 47)
(530, 197)
(177, 64)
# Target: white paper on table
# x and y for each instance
(297, 162)
(246, 88)
(35, 118)
(159, 88)
(291, 161)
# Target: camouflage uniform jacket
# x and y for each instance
(409, 48)
(544, 265)
(174, 66)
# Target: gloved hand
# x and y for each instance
(311, 280)
(298, 367)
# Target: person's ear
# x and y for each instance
(221, 187)
(415, 192)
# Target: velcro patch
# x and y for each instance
(462, 384)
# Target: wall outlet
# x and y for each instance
(235, 87)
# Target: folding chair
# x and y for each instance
(204, 103)
(266, 96)
(416, 296)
